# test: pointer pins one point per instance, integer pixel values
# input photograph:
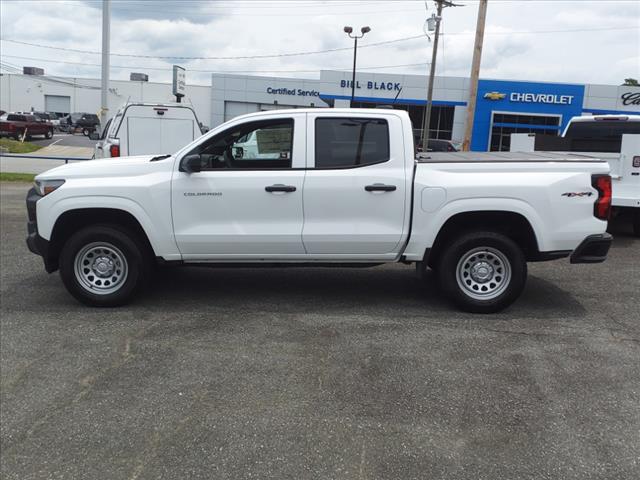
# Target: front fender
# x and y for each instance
(158, 230)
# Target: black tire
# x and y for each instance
(496, 263)
(86, 132)
(635, 221)
(49, 134)
(116, 243)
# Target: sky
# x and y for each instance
(578, 41)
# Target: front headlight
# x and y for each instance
(44, 187)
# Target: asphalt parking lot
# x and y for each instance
(65, 140)
(318, 373)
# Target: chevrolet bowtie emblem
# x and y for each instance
(495, 95)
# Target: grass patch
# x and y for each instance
(16, 177)
(18, 147)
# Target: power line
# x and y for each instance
(330, 50)
(246, 57)
(45, 78)
(168, 68)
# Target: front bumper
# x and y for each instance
(35, 242)
(593, 249)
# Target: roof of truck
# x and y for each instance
(337, 111)
(457, 157)
(623, 117)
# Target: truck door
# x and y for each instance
(355, 192)
(241, 205)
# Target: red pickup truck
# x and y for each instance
(17, 124)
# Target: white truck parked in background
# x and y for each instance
(614, 138)
(147, 129)
(330, 186)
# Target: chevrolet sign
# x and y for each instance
(541, 98)
(494, 95)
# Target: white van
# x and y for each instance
(147, 129)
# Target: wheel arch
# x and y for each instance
(73, 220)
(511, 224)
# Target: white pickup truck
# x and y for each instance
(327, 186)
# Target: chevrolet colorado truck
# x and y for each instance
(323, 187)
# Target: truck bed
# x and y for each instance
(500, 157)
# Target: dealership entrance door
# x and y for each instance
(503, 124)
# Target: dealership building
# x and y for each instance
(502, 106)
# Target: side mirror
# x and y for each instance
(94, 135)
(191, 163)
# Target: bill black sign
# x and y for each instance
(387, 86)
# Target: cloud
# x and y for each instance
(175, 28)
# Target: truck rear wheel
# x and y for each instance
(49, 134)
(102, 266)
(483, 272)
(635, 219)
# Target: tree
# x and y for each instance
(631, 82)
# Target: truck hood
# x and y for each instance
(104, 167)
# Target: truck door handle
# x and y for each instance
(380, 187)
(280, 188)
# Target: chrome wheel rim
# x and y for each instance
(483, 273)
(100, 268)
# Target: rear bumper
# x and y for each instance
(593, 249)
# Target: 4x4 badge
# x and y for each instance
(577, 194)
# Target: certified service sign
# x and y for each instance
(179, 81)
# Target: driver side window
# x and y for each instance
(258, 145)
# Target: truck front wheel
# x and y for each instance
(102, 266)
(483, 272)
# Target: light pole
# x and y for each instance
(349, 31)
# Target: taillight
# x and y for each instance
(114, 150)
(602, 207)
(636, 162)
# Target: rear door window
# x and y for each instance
(351, 142)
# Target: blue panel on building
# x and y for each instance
(528, 98)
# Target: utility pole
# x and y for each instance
(426, 120)
(475, 74)
(106, 37)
